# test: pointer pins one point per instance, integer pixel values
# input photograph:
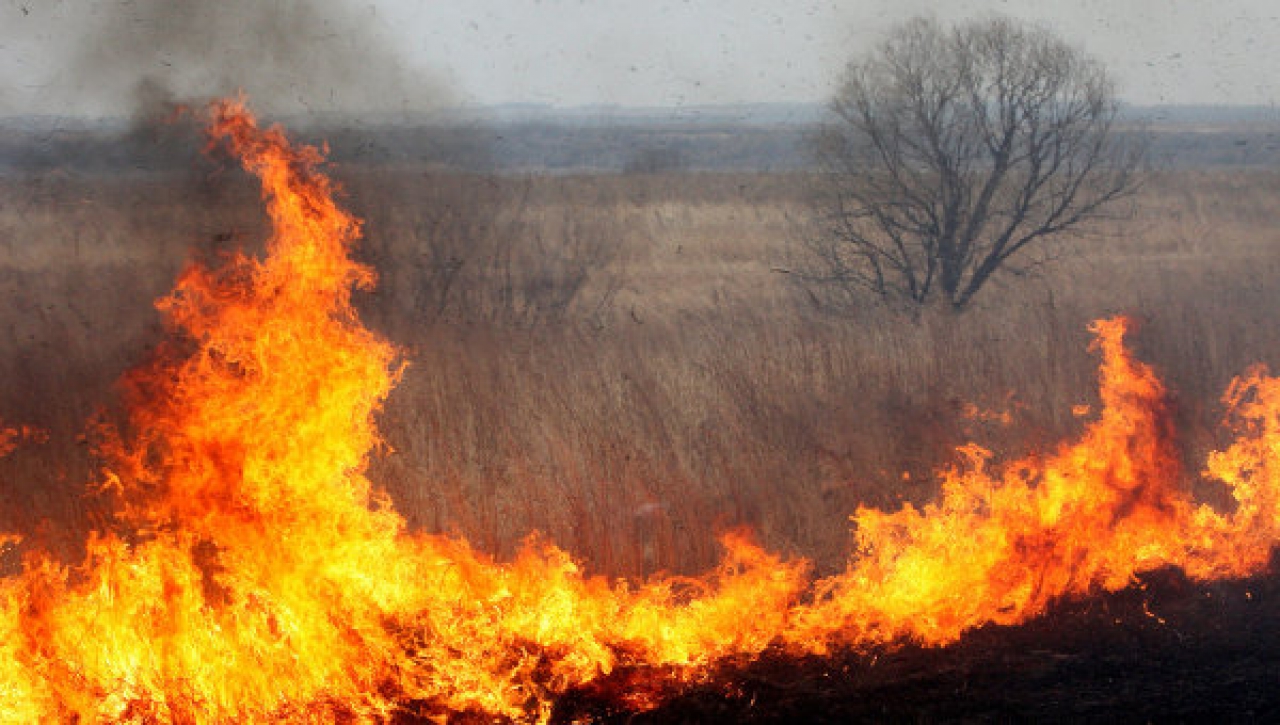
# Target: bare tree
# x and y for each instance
(952, 152)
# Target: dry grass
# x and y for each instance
(683, 386)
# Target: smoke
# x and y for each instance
(292, 57)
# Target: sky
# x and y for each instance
(673, 52)
(108, 57)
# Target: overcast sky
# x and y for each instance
(78, 57)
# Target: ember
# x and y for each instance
(255, 573)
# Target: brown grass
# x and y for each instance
(684, 387)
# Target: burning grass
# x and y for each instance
(252, 570)
(1164, 649)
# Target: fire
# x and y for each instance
(254, 572)
(1001, 545)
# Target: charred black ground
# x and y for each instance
(1165, 650)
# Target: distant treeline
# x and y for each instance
(543, 147)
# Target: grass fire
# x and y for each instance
(251, 570)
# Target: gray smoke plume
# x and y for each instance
(315, 58)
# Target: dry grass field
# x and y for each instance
(619, 362)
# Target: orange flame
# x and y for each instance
(258, 575)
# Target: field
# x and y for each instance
(621, 361)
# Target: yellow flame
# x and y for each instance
(257, 575)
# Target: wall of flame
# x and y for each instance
(254, 573)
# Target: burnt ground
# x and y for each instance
(1167, 650)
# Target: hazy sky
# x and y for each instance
(92, 56)
(672, 52)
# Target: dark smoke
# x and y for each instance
(310, 58)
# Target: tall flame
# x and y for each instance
(256, 574)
